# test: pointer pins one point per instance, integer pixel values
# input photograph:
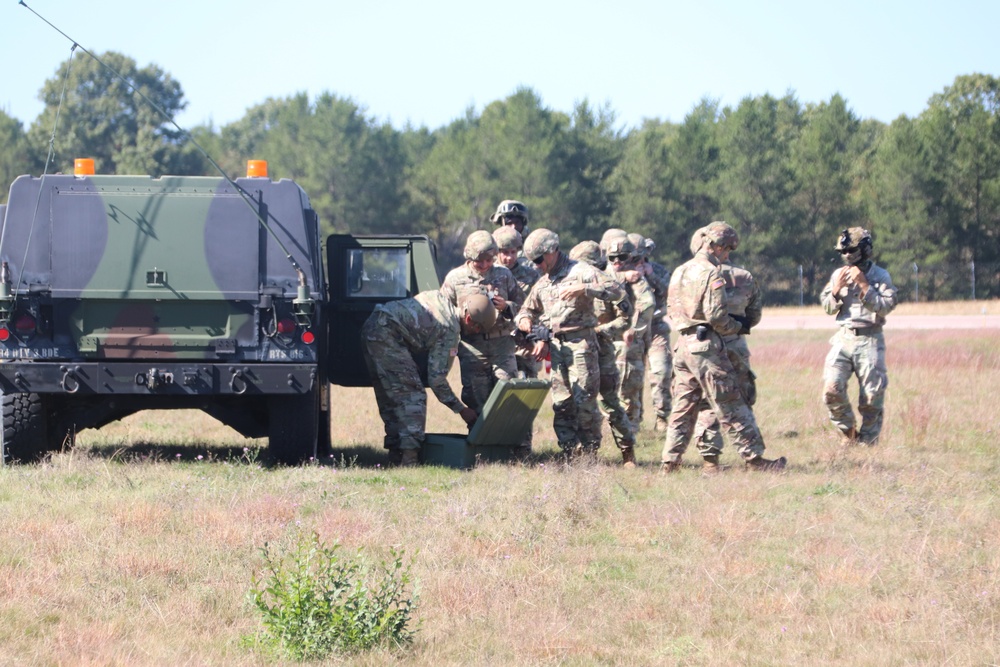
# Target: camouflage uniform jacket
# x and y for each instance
(742, 295)
(544, 305)
(659, 280)
(429, 322)
(856, 311)
(613, 319)
(464, 280)
(643, 300)
(525, 274)
(697, 295)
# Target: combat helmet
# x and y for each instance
(479, 243)
(648, 246)
(697, 240)
(639, 241)
(507, 238)
(539, 242)
(588, 252)
(619, 246)
(612, 233)
(854, 245)
(510, 208)
(480, 309)
(722, 234)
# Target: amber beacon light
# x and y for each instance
(83, 166)
(256, 168)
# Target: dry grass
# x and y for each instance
(122, 553)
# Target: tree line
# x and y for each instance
(787, 175)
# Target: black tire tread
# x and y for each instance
(25, 428)
(293, 430)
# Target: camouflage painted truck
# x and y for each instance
(127, 293)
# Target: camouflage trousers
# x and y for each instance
(610, 400)
(527, 366)
(631, 362)
(482, 363)
(703, 372)
(707, 435)
(660, 360)
(576, 380)
(399, 391)
(862, 355)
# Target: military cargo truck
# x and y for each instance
(127, 293)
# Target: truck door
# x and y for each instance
(364, 271)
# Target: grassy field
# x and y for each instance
(139, 547)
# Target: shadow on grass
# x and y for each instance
(354, 456)
(154, 452)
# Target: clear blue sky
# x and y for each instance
(427, 62)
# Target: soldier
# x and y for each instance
(743, 303)
(658, 353)
(559, 313)
(392, 335)
(702, 370)
(509, 244)
(860, 294)
(514, 213)
(625, 256)
(614, 322)
(485, 357)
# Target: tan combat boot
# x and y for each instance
(411, 457)
(668, 467)
(661, 425)
(761, 464)
(710, 466)
(628, 457)
(849, 438)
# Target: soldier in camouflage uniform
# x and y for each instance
(392, 335)
(630, 351)
(514, 213)
(743, 302)
(702, 370)
(860, 294)
(486, 357)
(560, 308)
(613, 322)
(658, 354)
(509, 244)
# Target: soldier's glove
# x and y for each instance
(744, 324)
(539, 332)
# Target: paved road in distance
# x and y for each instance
(892, 322)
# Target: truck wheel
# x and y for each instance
(25, 437)
(293, 428)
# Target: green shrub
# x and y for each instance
(315, 602)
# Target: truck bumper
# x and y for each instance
(161, 379)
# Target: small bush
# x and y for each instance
(314, 602)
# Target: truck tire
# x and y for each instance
(25, 436)
(293, 428)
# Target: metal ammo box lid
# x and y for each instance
(502, 425)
